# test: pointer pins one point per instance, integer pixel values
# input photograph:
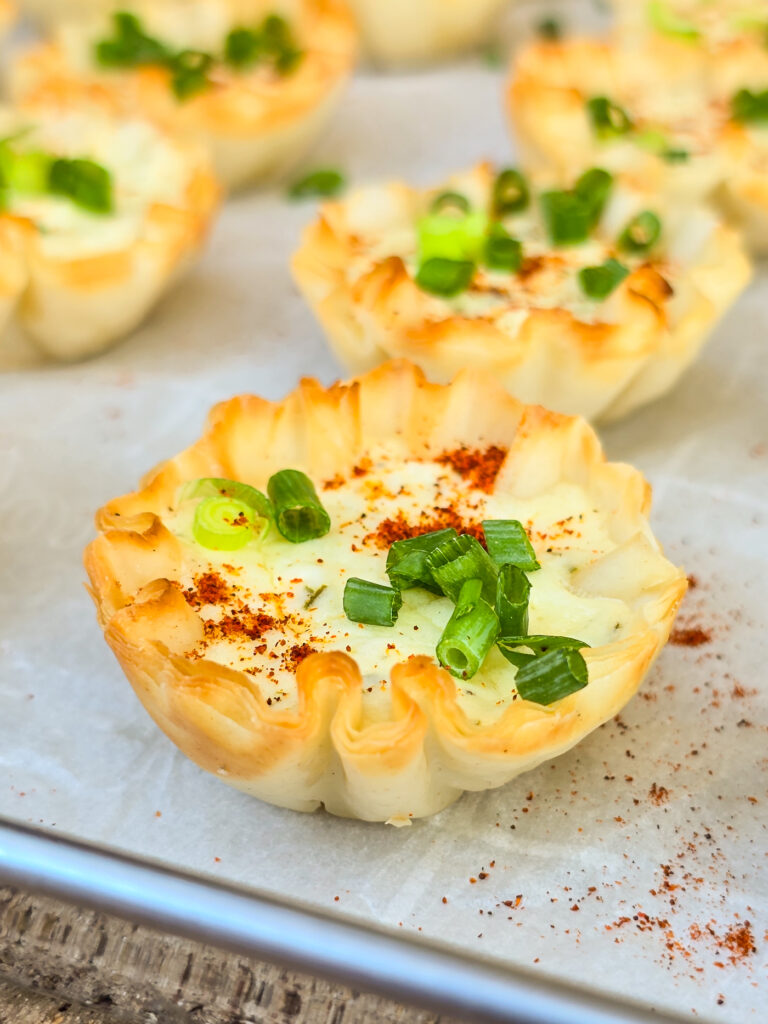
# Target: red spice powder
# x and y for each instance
(739, 942)
(658, 794)
(691, 636)
(398, 528)
(296, 655)
(480, 468)
(209, 588)
(240, 625)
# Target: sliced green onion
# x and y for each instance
(664, 20)
(450, 203)
(550, 28)
(598, 282)
(502, 251)
(223, 524)
(129, 46)
(539, 643)
(85, 183)
(407, 560)
(675, 156)
(211, 487)
(654, 141)
(189, 73)
(513, 591)
(299, 513)
(568, 220)
(511, 193)
(750, 106)
(25, 172)
(371, 603)
(510, 646)
(443, 236)
(243, 47)
(593, 188)
(553, 676)
(445, 277)
(641, 233)
(609, 120)
(470, 633)
(508, 543)
(457, 559)
(321, 183)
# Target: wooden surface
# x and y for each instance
(63, 965)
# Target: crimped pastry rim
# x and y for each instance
(383, 314)
(139, 611)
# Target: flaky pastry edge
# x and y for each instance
(74, 308)
(602, 370)
(323, 753)
(252, 137)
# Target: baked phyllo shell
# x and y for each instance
(255, 128)
(684, 85)
(601, 364)
(421, 749)
(7, 15)
(402, 32)
(75, 299)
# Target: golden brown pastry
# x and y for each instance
(294, 648)
(101, 213)
(254, 81)
(689, 115)
(593, 322)
(403, 32)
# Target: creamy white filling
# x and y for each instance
(549, 278)
(146, 168)
(276, 578)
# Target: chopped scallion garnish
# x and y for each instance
(371, 603)
(129, 46)
(299, 514)
(641, 233)
(223, 524)
(550, 28)
(552, 676)
(566, 217)
(470, 633)
(320, 183)
(85, 183)
(609, 120)
(445, 277)
(513, 591)
(189, 73)
(665, 20)
(502, 251)
(508, 542)
(407, 560)
(511, 193)
(750, 106)
(450, 204)
(457, 559)
(212, 487)
(593, 188)
(452, 236)
(598, 282)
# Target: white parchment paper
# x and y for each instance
(633, 863)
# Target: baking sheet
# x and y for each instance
(637, 862)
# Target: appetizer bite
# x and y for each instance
(373, 597)
(402, 32)
(709, 23)
(98, 216)
(688, 114)
(590, 299)
(255, 80)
